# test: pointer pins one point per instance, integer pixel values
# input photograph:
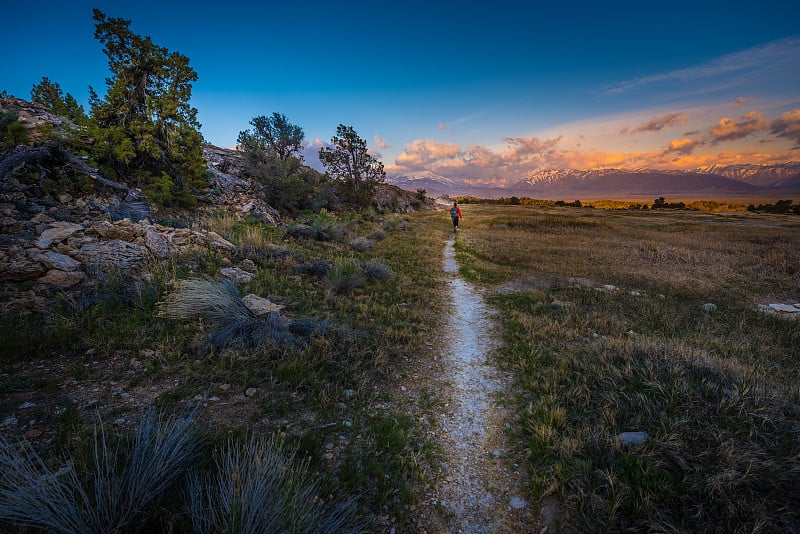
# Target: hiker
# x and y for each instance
(455, 214)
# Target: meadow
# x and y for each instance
(608, 327)
(602, 324)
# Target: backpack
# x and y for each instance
(453, 212)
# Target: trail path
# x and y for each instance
(478, 492)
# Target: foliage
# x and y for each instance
(50, 95)
(781, 206)
(660, 204)
(12, 132)
(344, 276)
(232, 324)
(259, 487)
(145, 128)
(274, 134)
(127, 479)
(353, 169)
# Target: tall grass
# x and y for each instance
(714, 391)
(126, 479)
(260, 487)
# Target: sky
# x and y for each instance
(490, 91)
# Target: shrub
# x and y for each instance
(231, 323)
(258, 487)
(344, 277)
(127, 480)
(374, 269)
(361, 244)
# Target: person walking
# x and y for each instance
(455, 214)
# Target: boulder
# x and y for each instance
(114, 254)
(56, 260)
(58, 232)
(57, 278)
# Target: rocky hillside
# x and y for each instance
(66, 229)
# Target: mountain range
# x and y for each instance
(714, 182)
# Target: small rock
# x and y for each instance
(224, 387)
(33, 433)
(25, 406)
(236, 274)
(348, 393)
(259, 305)
(609, 287)
(213, 399)
(516, 503)
(784, 308)
(249, 392)
(403, 388)
(709, 307)
(632, 438)
(120, 421)
(496, 453)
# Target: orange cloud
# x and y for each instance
(422, 152)
(683, 146)
(728, 129)
(659, 123)
(788, 125)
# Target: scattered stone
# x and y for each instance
(213, 399)
(348, 393)
(609, 287)
(156, 244)
(55, 260)
(236, 274)
(632, 438)
(260, 305)
(516, 503)
(224, 387)
(496, 453)
(58, 232)
(249, 392)
(57, 278)
(248, 265)
(709, 307)
(33, 433)
(634, 293)
(25, 405)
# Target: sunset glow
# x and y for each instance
(484, 96)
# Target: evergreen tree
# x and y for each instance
(275, 134)
(352, 167)
(50, 95)
(145, 127)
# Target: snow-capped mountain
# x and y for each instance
(717, 181)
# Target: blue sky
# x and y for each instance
(488, 91)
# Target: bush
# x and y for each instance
(361, 244)
(258, 487)
(344, 277)
(376, 270)
(127, 481)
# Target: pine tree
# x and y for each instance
(145, 128)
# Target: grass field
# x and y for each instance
(717, 392)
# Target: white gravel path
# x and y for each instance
(478, 493)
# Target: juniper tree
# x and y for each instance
(351, 166)
(145, 127)
(50, 94)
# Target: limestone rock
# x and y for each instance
(58, 232)
(114, 254)
(236, 274)
(632, 438)
(260, 305)
(156, 244)
(56, 260)
(57, 278)
(20, 270)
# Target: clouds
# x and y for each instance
(379, 142)
(659, 123)
(788, 126)
(728, 129)
(683, 146)
(780, 53)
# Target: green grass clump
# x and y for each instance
(257, 486)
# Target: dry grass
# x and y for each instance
(716, 392)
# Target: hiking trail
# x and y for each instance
(479, 491)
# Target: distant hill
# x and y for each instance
(733, 181)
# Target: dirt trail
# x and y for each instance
(478, 492)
